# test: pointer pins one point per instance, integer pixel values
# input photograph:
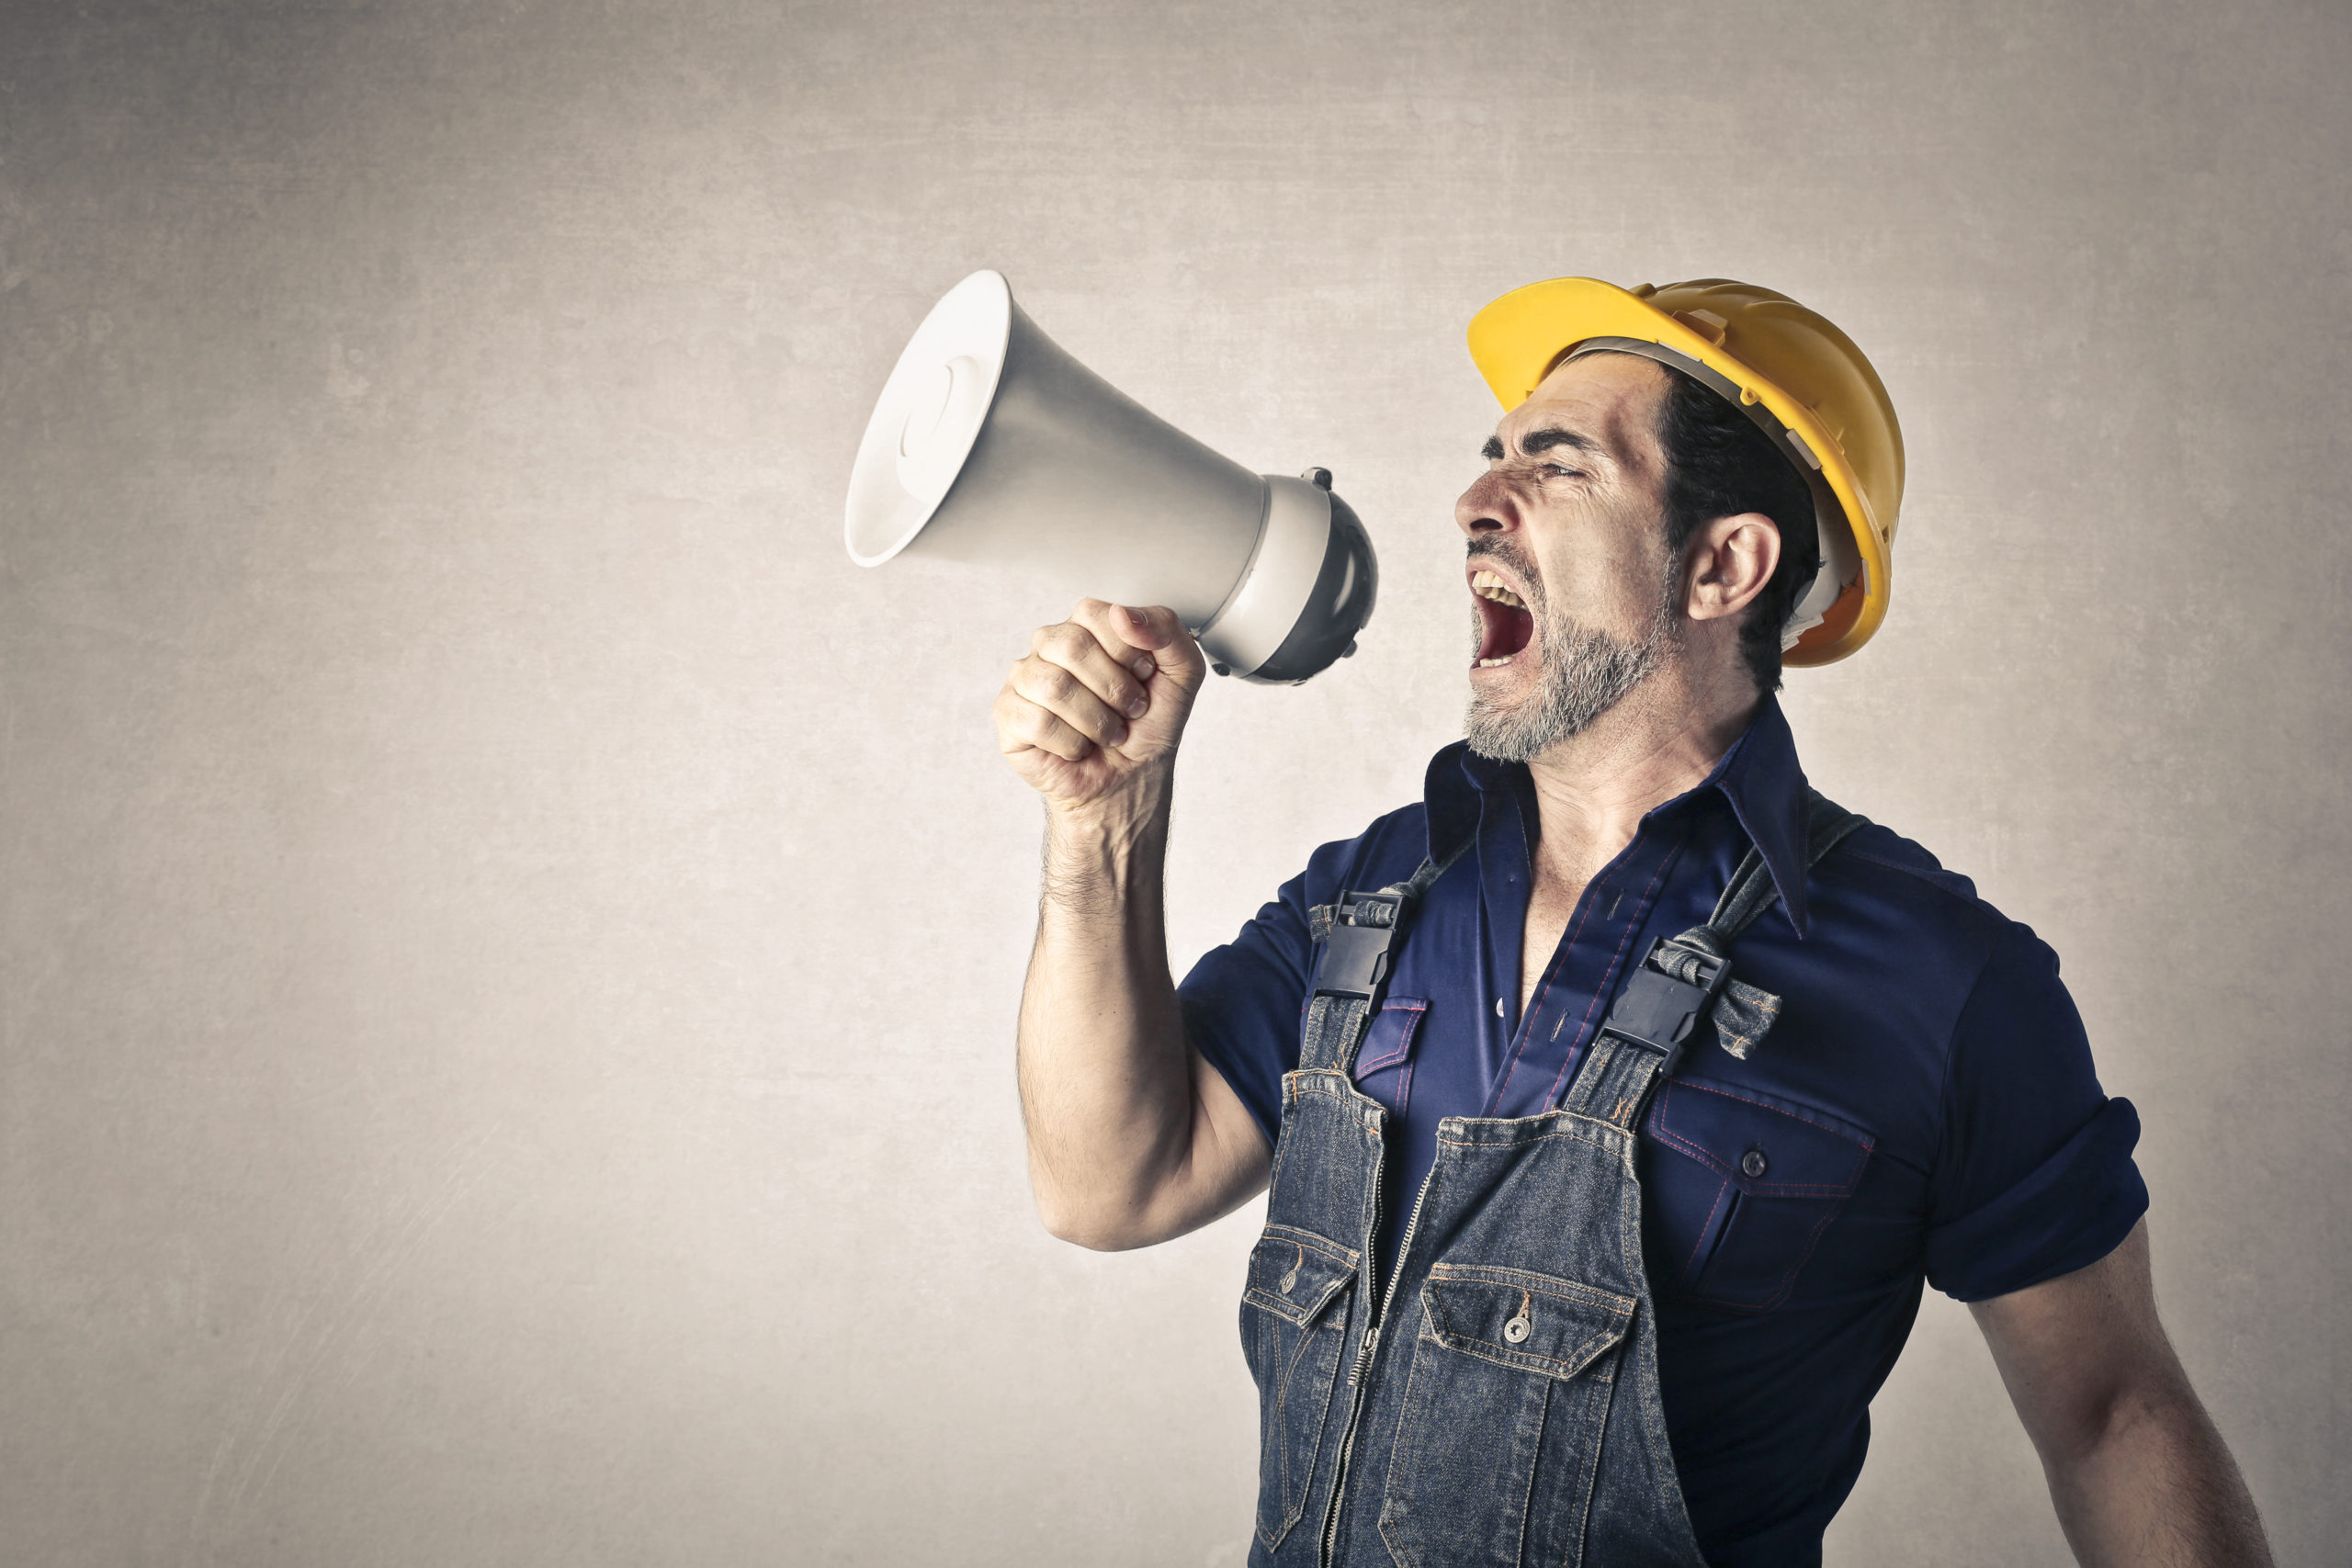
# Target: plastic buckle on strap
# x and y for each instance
(1355, 954)
(1657, 1011)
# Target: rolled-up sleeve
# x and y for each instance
(2035, 1178)
(1240, 1005)
(1242, 1002)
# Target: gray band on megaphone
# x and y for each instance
(1249, 626)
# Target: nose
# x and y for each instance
(1487, 506)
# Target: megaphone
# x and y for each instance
(991, 444)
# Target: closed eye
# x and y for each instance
(1538, 442)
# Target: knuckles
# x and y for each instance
(1069, 639)
(1047, 704)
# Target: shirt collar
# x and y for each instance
(1758, 777)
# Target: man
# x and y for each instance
(1619, 1097)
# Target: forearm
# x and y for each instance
(1106, 1079)
(2137, 1471)
(2156, 1488)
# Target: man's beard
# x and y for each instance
(1585, 673)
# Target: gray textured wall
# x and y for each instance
(508, 942)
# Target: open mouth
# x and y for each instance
(1505, 626)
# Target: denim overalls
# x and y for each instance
(1498, 1404)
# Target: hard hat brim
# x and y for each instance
(1517, 339)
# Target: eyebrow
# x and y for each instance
(1544, 440)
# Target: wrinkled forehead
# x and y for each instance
(1613, 399)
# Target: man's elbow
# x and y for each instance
(1097, 1228)
(2116, 1415)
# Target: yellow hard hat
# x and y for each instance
(1801, 380)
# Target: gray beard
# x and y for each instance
(1586, 673)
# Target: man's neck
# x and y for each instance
(1592, 789)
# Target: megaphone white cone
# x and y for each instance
(931, 411)
(991, 443)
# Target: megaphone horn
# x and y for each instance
(990, 443)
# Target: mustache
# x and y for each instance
(1512, 555)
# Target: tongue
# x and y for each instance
(1508, 630)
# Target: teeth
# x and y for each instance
(1487, 585)
(1490, 663)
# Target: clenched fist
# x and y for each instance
(1101, 700)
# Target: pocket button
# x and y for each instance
(1753, 1165)
(1286, 1282)
(1516, 1330)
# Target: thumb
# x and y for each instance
(1157, 629)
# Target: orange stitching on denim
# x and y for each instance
(1562, 1367)
(1527, 1279)
(1346, 1257)
(1564, 1132)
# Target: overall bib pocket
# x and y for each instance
(1510, 1385)
(1294, 1325)
(1741, 1187)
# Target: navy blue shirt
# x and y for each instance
(1925, 1108)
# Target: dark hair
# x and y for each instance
(1719, 465)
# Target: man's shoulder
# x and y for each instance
(1878, 852)
(1389, 850)
(1903, 891)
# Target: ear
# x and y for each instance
(1727, 563)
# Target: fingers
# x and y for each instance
(1073, 693)
(1060, 694)
(1102, 663)
(1086, 680)
(1023, 725)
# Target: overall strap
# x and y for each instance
(1359, 936)
(1683, 977)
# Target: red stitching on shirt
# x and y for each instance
(1760, 1188)
(1543, 988)
(1691, 1264)
(1868, 1141)
(1608, 976)
(1406, 1034)
(1787, 1281)
(1657, 1129)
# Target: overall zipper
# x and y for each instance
(1366, 1348)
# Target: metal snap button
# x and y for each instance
(1286, 1282)
(1753, 1164)
(1517, 1329)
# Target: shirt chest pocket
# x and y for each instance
(1385, 1062)
(1738, 1188)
